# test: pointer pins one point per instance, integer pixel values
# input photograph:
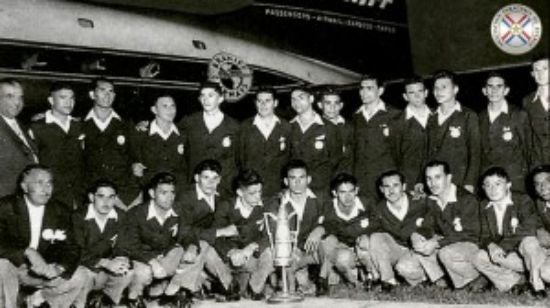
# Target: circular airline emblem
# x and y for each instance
(516, 29)
(233, 75)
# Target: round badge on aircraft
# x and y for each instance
(233, 75)
(516, 29)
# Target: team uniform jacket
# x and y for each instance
(15, 234)
(107, 155)
(347, 231)
(544, 214)
(144, 239)
(458, 222)
(94, 244)
(401, 230)
(506, 143)
(251, 229)
(221, 144)
(520, 220)
(159, 155)
(267, 157)
(372, 152)
(410, 143)
(62, 152)
(456, 141)
(320, 148)
(540, 126)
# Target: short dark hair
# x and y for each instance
(294, 164)
(445, 74)
(208, 164)
(342, 178)
(10, 81)
(414, 79)
(329, 90)
(531, 176)
(102, 183)
(302, 88)
(96, 81)
(495, 74)
(266, 89)
(57, 86)
(379, 82)
(29, 169)
(210, 84)
(162, 178)
(496, 170)
(437, 163)
(246, 178)
(389, 173)
(539, 57)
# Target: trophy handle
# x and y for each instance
(268, 229)
(296, 230)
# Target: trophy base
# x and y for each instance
(279, 298)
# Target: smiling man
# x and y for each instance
(37, 247)
(505, 133)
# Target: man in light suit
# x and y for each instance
(18, 150)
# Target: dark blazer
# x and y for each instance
(456, 141)
(439, 222)
(312, 218)
(197, 218)
(250, 229)
(143, 240)
(267, 157)
(539, 120)
(107, 155)
(221, 144)
(410, 143)
(522, 210)
(159, 155)
(347, 231)
(62, 152)
(14, 156)
(506, 143)
(544, 215)
(373, 152)
(321, 148)
(94, 244)
(15, 234)
(401, 230)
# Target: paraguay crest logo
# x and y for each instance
(516, 29)
(233, 75)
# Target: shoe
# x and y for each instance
(540, 294)
(136, 303)
(369, 284)
(184, 300)
(441, 283)
(519, 288)
(257, 296)
(387, 287)
(479, 285)
(322, 287)
(231, 294)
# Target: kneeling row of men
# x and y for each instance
(176, 243)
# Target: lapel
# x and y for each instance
(23, 223)
(441, 130)
(506, 221)
(492, 222)
(13, 136)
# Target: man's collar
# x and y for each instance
(92, 214)
(259, 120)
(503, 109)
(152, 212)
(155, 129)
(339, 120)
(92, 115)
(411, 112)
(201, 195)
(357, 207)
(451, 195)
(240, 206)
(380, 106)
(456, 107)
(216, 114)
(507, 201)
(50, 118)
(286, 195)
(539, 93)
(316, 119)
(29, 203)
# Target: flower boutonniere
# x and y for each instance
(514, 224)
(52, 235)
(457, 224)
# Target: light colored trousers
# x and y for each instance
(110, 284)
(337, 260)
(507, 274)
(458, 261)
(387, 254)
(58, 293)
(143, 274)
(191, 276)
